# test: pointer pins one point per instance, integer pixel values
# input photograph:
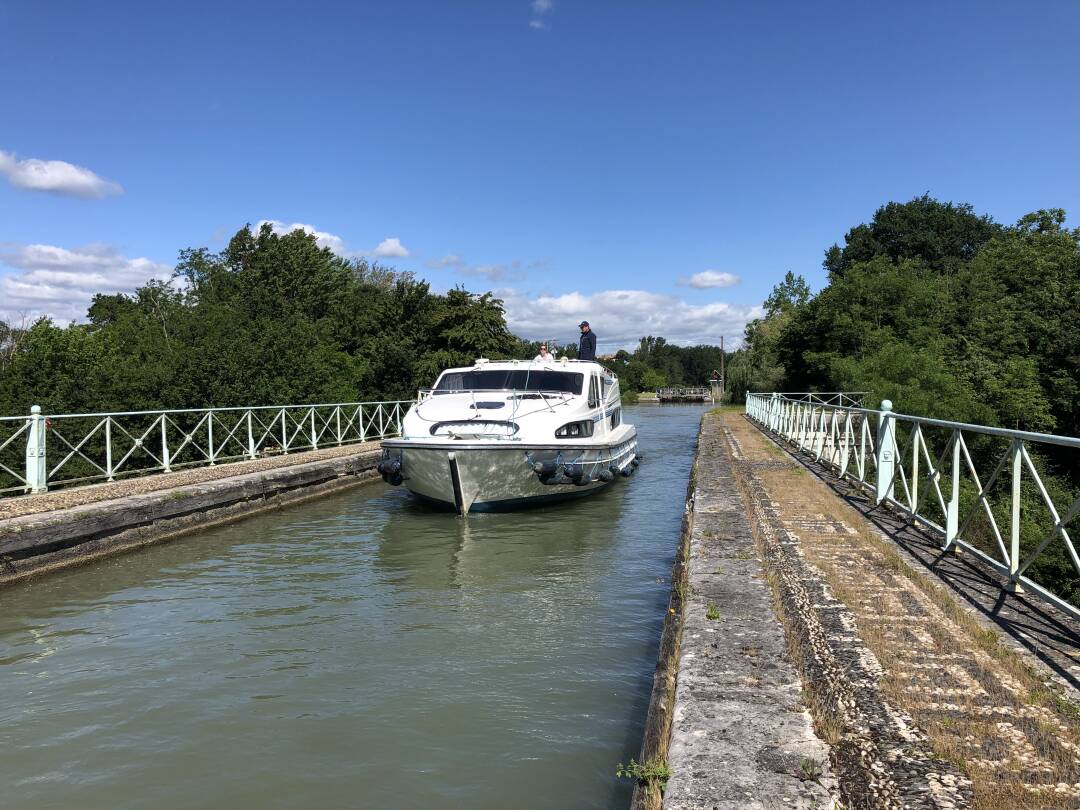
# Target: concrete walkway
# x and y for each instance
(741, 736)
(927, 707)
(64, 498)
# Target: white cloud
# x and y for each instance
(495, 272)
(509, 271)
(60, 282)
(390, 248)
(539, 9)
(322, 238)
(450, 260)
(55, 177)
(621, 317)
(707, 279)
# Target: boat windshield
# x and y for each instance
(510, 380)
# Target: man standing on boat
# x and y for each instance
(587, 346)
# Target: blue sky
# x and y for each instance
(582, 158)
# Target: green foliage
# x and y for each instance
(657, 364)
(811, 769)
(939, 234)
(789, 294)
(645, 773)
(270, 320)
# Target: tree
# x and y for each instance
(790, 293)
(939, 234)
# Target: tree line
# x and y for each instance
(272, 319)
(276, 319)
(939, 309)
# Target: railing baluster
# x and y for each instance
(952, 513)
(37, 470)
(164, 446)
(1014, 520)
(886, 459)
(250, 437)
(916, 436)
(108, 449)
(210, 435)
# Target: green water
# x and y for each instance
(355, 651)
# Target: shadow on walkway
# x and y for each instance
(1033, 624)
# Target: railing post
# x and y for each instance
(210, 435)
(886, 451)
(251, 437)
(108, 449)
(360, 418)
(914, 486)
(774, 405)
(36, 465)
(164, 446)
(337, 420)
(314, 438)
(284, 435)
(1014, 521)
(952, 509)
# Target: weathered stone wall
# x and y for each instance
(36, 543)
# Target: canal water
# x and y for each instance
(355, 651)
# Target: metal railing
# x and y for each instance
(853, 398)
(40, 451)
(695, 393)
(927, 469)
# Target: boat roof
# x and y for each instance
(559, 364)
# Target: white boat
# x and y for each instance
(507, 434)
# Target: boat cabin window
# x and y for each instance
(594, 391)
(616, 418)
(510, 380)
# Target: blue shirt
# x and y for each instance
(587, 346)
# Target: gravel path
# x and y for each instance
(77, 496)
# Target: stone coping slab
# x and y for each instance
(741, 736)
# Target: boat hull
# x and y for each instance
(484, 477)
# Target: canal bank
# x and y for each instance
(726, 727)
(55, 530)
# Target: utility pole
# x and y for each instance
(723, 376)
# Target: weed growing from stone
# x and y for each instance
(645, 773)
(810, 768)
(712, 612)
